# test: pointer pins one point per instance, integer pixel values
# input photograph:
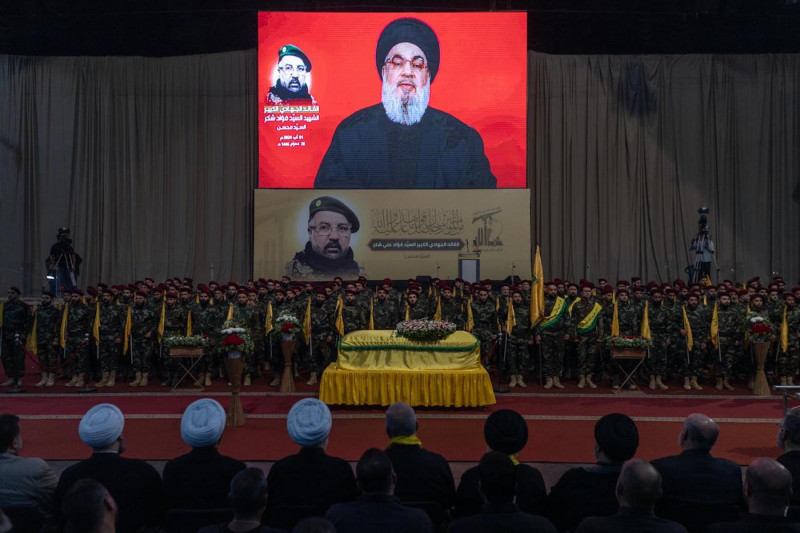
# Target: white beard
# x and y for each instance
(405, 113)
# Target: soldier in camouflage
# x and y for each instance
(586, 328)
(551, 336)
(757, 308)
(78, 330)
(47, 319)
(353, 315)
(112, 330)
(486, 323)
(247, 316)
(699, 318)
(175, 322)
(144, 322)
(15, 329)
(662, 326)
(789, 361)
(274, 338)
(451, 307)
(520, 338)
(629, 316)
(414, 308)
(207, 321)
(321, 334)
(729, 341)
(385, 313)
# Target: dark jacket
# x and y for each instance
(422, 476)
(756, 523)
(378, 514)
(201, 479)
(629, 520)
(583, 492)
(133, 483)
(531, 493)
(502, 518)
(791, 460)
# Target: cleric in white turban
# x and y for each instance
(202, 423)
(309, 422)
(101, 426)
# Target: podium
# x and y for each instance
(469, 266)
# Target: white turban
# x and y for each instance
(101, 425)
(202, 423)
(309, 422)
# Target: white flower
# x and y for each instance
(757, 319)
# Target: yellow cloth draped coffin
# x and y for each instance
(378, 368)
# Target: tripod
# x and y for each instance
(702, 245)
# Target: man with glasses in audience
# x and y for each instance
(327, 253)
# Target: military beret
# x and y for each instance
(102, 285)
(91, 291)
(408, 30)
(694, 294)
(602, 279)
(557, 281)
(387, 281)
(338, 278)
(623, 282)
(654, 292)
(15, 289)
(444, 286)
(172, 294)
(350, 291)
(795, 289)
(292, 50)
(757, 295)
(320, 290)
(159, 288)
(671, 291)
(242, 291)
(622, 291)
(141, 293)
(48, 293)
(252, 291)
(617, 436)
(635, 279)
(329, 203)
(787, 295)
(607, 289)
(516, 290)
(212, 282)
(362, 279)
(460, 280)
(554, 283)
(279, 290)
(743, 292)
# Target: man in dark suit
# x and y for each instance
(378, 510)
(89, 507)
(310, 477)
(201, 478)
(498, 479)
(505, 431)
(134, 485)
(591, 491)
(24, 481)
(789, 442)
(698, 488)
(638, 488)
(422, 476)
(767, 487)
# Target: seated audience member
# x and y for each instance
(133, 483)
(767, 488)
(201, 478)
(248, 497)
(638, 488)
(24, 482)
(505, 431)
(698, 488)
(422, 476)
(310, 477)
(377, 510)
(5, 524)
(789, 442)
(314, 524)
(88, 508)
(591, 491)
(498, 480)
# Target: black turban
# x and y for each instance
(506, 431)
(408, 30)
(616, 435)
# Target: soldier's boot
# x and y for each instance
(695, 385)
(167, 380)
(276, 381)
(247, 380)
(145, 379)
(718, 384)
(557, 383)
(73, 381)
(783, 380)
(313, 379)
(42, 382)
(790, 380)
(135, 382)
(207, 379)
(652, 383)
(582, 381)
(80, 382)
(51, 379)
(548, 383)
(615, 382)
(521, 383)
(660, 384)
(686, 384)
(103, 381)
(589, 382)
(726, 384)
(112, 378)
(512, 382)
(8, 382)
(750, 384)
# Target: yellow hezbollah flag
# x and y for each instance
(614, 321)
(688, 328)
(189, 325)
(784, 332)
(96, 325)
(128, 326)
(162, 320)
(62, 335)
(537, 289)
(307, 323)
(715, 326)
(645, 328)
(339, 320)
(33, 346)
(406, 314)
(470, 320)
(230, 312)
(268, 320)
(438, 314)
(371, 321)
(511, 319)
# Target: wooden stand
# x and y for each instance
(628, 354)
(234, 367)
(192, 354)
(760, 384)
(287, 347)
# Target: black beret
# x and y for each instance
(616, 435)
(506, 431)
(328, 203)
(292, 50)
(408, 30)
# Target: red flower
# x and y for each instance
(286, 327)
(232, 339)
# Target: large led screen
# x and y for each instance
(392, 100)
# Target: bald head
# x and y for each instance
(789, 432)
(699, 433)
(400, 420)
(768, 486)
(639, 485)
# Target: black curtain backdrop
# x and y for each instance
(151, 162)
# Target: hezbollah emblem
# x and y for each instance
(318, 203)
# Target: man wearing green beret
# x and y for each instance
(291, 87)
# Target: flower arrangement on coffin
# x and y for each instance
(288, 324)
(194, 341)
(625, 342)
(235, 340)
(760, 330)
(425, 330)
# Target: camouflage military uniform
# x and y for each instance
(247, 316)
(354, 317)
(731, 325)
(385, 314)
(143, 321)
(629, 316)
(175, 323)
(78, 330)
(485, 320)
(48, 327)
(521, 337)
(587, 338)
(321, 330)
(789, 361)
(112, 325)
(207, 320)
(662, 328)
(552, 344)
(419, 311)
(452, 310)
(700, 322)
(16, 326)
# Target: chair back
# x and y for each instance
(190, 520)
(435, 511)
(287, 516)
(25, 519)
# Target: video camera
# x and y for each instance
(63, 235)
(702, 223)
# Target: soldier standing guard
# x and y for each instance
(485, 320)
(385, 314)
(451, 308)
(321, 335)
(175, 325)
(46, 326)
(247, 316)
(551, 336)
(730, 322)
(695, 329)
(789, 347)
(111, 331)
(353, 315)
(521, 337)
(207, 320)
(16, 323)
(587, 329)
(140, 327)
(661, 328)
(77, 328)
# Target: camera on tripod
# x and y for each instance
(63, 235)
(702, 223)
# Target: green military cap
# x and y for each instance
(329, 203)
(292, 50)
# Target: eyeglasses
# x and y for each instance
(301, 69)
(326, 229)
(399, 62)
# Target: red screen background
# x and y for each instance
(482, 81)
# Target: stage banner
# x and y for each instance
(400, 234)
(392, 100)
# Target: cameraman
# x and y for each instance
(703, 246)
(63, 264)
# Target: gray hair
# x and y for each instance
(400, 420)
